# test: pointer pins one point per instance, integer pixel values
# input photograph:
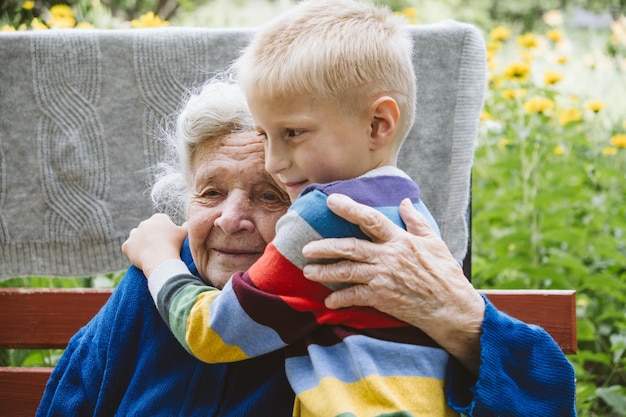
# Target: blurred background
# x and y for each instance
(549, 178)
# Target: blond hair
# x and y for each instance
(345, 51)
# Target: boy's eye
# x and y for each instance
(294, 132)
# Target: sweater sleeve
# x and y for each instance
(523, 372)
(257, 312)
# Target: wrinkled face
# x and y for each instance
(310, 141)
(234, 206)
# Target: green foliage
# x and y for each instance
(549, 208)
(100, 281)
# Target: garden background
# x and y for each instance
(549, 178)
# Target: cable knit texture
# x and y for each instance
(80, 111)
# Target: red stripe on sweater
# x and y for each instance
(274, 274)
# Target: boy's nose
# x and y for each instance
(276, 156)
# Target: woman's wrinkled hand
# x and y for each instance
(409, 275)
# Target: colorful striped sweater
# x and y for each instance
(354, 361)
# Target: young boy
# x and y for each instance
(331, 86)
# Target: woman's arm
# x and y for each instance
(505, 366)
(411, 276)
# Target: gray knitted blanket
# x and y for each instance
(79, 110)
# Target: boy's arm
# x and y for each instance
(153, 242)
(247, 318)
(213, 325)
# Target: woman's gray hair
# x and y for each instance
(211, 111)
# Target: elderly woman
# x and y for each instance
(126, 362)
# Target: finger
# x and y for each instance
(415, 221)
(343, 271)
(372, 222)
(344, 248)
(357, 295)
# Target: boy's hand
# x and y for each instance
(153, 242)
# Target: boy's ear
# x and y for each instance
(384, 116)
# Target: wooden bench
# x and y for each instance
(47, 318)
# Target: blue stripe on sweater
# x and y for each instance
(329, 225)
(374, 358)
(253, 338)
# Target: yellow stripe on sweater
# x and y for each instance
(373, 396)
(203, 342)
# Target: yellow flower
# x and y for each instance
(552, 77)
(570, 115)
(609, 151)
(7, 28)
(410, 14)
(517, 71)
(595, 105)
(558, 150)
(619, 140)
(527, 40)
(484, 115)
(28, 5)
(35, 24)
(502, 143)
(499, 33)
(495, 81)
(513, 93)
(148, 20)
(554, 35)
(561, 60)
(61, 17)
(493, 46)
(539, 105)
(61, 22)
(84, 25)
(62, 11)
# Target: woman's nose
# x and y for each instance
(276, 156)
(236, 215)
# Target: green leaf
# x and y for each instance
(615, 397)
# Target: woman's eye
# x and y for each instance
(211, 193)
(270, 197)
(274, 200)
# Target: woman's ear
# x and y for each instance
(384, 116)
